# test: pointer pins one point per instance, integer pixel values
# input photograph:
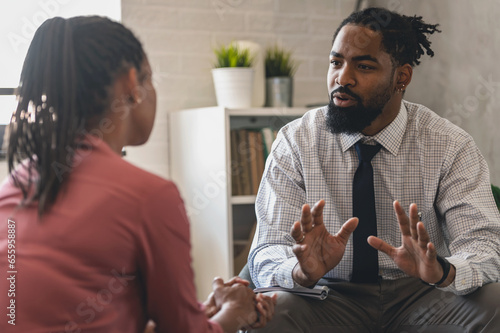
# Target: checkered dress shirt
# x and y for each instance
(425, 160)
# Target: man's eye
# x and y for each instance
(335, 62)
(365, 67)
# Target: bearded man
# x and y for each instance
(420, 251)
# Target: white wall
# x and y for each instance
(452, 83)
(179, 36)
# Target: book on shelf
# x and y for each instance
(245, 177)
(261, 160)
(255, 157)
(318, 292)
(235, 165)
(268, 139)
(249, 150)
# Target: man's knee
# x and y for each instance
(487, 296)
(484, 305)
(305, 314)
(486, 300)
(290, 307)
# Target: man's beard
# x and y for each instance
(354, 119)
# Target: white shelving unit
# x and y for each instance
(201, 167)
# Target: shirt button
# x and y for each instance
(463, 282)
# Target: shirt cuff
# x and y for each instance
(284, 276)
(463, 276)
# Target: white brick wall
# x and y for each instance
(179, 36)
(447, 86)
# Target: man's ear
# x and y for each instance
(403, 78)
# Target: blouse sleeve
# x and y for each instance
(165, 265)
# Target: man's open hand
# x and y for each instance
(417, 255)
(316, 249)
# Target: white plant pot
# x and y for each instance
(233, 86)
(259, 80)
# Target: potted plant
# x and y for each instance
(280, 69)
(233, 76)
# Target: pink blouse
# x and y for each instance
(113, 252)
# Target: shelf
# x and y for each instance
(253, 111)
(268, 112)
(222, 225)
(243, 200)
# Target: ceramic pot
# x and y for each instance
(233, 86)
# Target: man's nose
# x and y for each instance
(345, 77)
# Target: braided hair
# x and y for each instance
(403, 37)
(65, 82)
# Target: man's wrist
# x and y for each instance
(300, 278)
(450, 278)
(448, 275)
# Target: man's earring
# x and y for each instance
(133, 100)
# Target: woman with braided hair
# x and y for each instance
(403, 228)
(92, 243)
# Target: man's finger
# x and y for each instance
(296, 232)
(403, 220)
(298, 250)
(317, 212)
(306, 219)
(380, 245)
(347, 229)
(431, 251)
(423, 236)
(413, 216)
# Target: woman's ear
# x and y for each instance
(128, 83)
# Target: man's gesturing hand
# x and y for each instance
(316, 249)
(417, 255)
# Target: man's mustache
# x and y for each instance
(345, 90)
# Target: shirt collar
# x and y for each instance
(390, 137)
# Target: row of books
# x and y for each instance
(249, 150)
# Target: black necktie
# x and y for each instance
(365, 261)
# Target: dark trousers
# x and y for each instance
(399, 306)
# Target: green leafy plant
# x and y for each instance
(496, 195)
(279, 62)
(232, 56)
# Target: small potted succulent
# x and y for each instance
(280, 69)
(233, 76)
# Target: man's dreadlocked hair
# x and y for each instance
(65, 82)
(403, 37)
